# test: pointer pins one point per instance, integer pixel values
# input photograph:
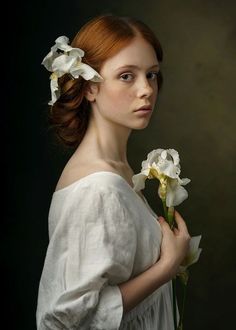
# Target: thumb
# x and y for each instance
(162, 221)
(164, 224)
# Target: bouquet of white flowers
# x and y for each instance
(164, 165)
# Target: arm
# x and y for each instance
(173, 249)
(77, 288)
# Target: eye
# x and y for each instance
(126, 76)
(152, 75)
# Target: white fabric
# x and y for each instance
(101, 233)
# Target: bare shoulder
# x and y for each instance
(75, 171)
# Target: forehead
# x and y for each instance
(137, 53)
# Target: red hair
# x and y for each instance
(104, 36)
(100, 39)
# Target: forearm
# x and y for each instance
(140, 287)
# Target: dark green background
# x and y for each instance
(195, 114)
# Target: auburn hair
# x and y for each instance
(100, 38)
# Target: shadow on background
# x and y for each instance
(195, 114)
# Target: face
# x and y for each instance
(128, 93)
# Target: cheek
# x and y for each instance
(117, 97)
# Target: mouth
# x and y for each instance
(144, 108)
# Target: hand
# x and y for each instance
(174, 245)
(173, 249)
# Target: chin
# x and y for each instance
(141, 126)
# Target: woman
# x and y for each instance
(110, 260)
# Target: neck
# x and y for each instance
(107, 140)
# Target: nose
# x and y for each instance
(145, 89)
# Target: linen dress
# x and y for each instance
(101, 233)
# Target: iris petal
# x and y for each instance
(69, 60)
(163, 164)
(139, 181)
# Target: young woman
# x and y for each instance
(110, 259)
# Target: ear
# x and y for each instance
(91, 92)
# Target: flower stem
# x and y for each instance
(170, 216)
(174, 302)
(165, 209)
(183, 306)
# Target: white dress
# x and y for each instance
(101, 233)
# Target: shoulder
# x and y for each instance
(98, 196)
(100, 184)
(75, 172)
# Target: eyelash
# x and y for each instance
(155, 73)
(131, 76)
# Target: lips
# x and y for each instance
(145, 108)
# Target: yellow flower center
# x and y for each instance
(54, 76)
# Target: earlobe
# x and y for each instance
(91, 92)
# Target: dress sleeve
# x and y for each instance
(91, 251)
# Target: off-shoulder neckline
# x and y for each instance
(88, 176)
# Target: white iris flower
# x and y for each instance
(164, 165)
(62, 59)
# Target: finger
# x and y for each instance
(161, 220)
(180, 222)
(176, 231)
(164, 224)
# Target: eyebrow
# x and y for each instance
(128, 66)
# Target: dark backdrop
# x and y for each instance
(195, 114)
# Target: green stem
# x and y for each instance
(174, 302)
(183, 306)
(165, 209)
(170, 216)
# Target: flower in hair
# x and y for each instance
(63, 59)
